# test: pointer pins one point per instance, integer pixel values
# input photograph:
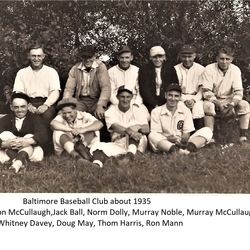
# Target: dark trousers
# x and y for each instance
(47, 116)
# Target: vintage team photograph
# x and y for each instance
(125, 96)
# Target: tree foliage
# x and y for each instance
(64, 26)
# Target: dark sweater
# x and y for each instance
(147, 84)
(32, 124)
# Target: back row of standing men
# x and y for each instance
(179, 99)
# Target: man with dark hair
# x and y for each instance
(171, 125)
(76, 132)
(41, 83)
(154, 78)
(89, 83)
(223, 92)
(22, 134)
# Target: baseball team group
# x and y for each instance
(117, 111)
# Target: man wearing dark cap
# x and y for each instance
(76, 132)
(190, 79)
(124, 73)
(154, 78)
(89, 83)
(127, 125)
(22, 134)
(171, 125)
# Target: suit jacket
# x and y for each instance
(147, 84)
(32, 124)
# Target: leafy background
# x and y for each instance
(64, 26)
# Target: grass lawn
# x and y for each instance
(219, 168)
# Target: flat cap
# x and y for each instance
(124, 49)
(20, 95)
(67, 102)
(87, 50)
(187, 49)
(174, 86)
(124, 88)
(157, 50)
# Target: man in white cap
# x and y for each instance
(124, 73)
(154, 77)
(190, 79)
(171, 125)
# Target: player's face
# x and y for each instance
(69, 114)
(36, 57)
(187, 60)
(124, 60)
(19, 107)
(172, 98)
(124, 99)
(88, 61)
(158, 60)
(224, 61)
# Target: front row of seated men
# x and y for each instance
(23, 134)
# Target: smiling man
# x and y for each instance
(190, 79)
(223, 92)
(41, 83)
(22, 134)
(127, 125)
(76, 132)
(124, 73)
(171, 125)
(154, 78)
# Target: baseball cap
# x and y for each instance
(187, 49)
(87, 51)
(66, 102)
(124, 49)
(157, 50)
(124, 88)
(173, 86)
(20, 95)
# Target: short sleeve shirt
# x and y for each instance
(37, 83)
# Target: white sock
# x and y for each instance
(98, 162)
(132, 148)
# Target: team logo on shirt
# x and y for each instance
(180, 124)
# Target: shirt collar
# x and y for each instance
(186, 68)
(123, 70)
(82, 67)
(165, 111)
(217, 65)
